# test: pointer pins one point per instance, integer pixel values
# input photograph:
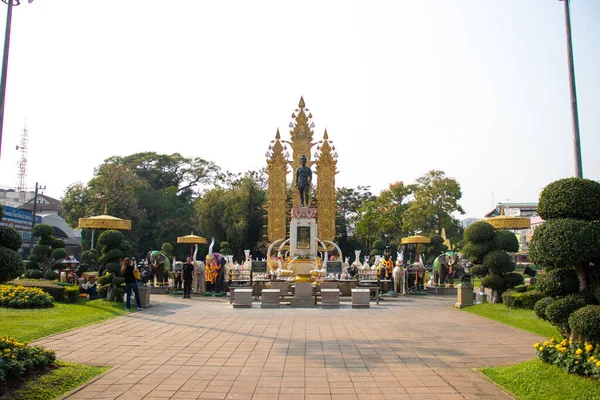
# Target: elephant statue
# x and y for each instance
(443, 267)
(158, 264)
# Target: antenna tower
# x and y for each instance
(22, 163)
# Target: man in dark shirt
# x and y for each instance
(188, 271)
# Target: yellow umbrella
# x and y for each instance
(509, 222)
(191, 239)
(104, 222)
(416, 240)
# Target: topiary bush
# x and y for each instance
(570, 198)
(559, 311)
(45, 254)
(505, 241)
(585, 324)
(51, 276)
(10, 238)
(479, 232)
(563, 243)
(558, 282)
(487, 249)
(11, 264)
(225, 249)
(33, 274)
(71, 293)
(59, 254)
(526, 300)
(540, 307)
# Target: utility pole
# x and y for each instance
(573, 92)
(35, 196)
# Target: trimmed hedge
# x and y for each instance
(33, 274)
(558, 282)
(51, 275)
(585, 323)
(526, 300)
(479, 232)
(558, 312)
(506, 241)
(540, 307)
(570, 198)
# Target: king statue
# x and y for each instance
(303, 181)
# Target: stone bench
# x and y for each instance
(242, 298)
(269, 298)
(330, 298)
(361, 298)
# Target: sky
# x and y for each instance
(477, 89)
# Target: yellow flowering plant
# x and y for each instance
(23, 297)
(19, 359)
(582, 358)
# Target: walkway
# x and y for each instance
(406, 348)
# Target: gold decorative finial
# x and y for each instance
(301, 104)
(325, 136)
(277, 135)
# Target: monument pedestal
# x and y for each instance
(303, 297)
(465, 296)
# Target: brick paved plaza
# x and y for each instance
(405, 348)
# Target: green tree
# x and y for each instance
(366, 221)
(349, 201)
(393, 202)
(234, 214)
(11, 265)
(48, 250)
(436, 197)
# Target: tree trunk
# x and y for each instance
(496, 297)
(580, 269)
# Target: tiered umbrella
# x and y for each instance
(104, 222)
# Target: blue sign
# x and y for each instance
(20, 220)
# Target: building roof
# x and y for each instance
(44, 204)
(500, 206)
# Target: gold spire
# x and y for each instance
(277, 135)
(301, 104)
(325, 136)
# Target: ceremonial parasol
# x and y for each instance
(191, 239)
(416, 240)
(509, 222)
(104, 222)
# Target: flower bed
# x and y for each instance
(50, 287)
(574, 357)
(24, 297)
(18, 359)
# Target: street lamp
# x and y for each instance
(10, 4)
(574, 113)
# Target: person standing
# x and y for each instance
(187, 272)
(127, 269)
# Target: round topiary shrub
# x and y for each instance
(540, 307)
(125, 246)
(105, 279)
(476, 251)
(493, 281)
(479, 232)
(42, 231)
(58, 243)
(110, 238)
(513, 279)
(114, 254)
(59, 254)
(585, 323)
(11, 264)
(114, 268)
(498, 261)
(570, 198)
(505, 240)
(558, 282)
(167, 248)
(478, 270)
(33, 274)
(559, 311)
(10, 238)
(526, 300)
(51, 275)
(565, 242)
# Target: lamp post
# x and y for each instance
(10, 4)
(573, 92)
(35, 196)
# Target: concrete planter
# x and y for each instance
(145, 291)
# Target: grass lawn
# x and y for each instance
(29, 324)
(52, 384)
(536, 380)
(520, 318)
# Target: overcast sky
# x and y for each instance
(478, 89)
